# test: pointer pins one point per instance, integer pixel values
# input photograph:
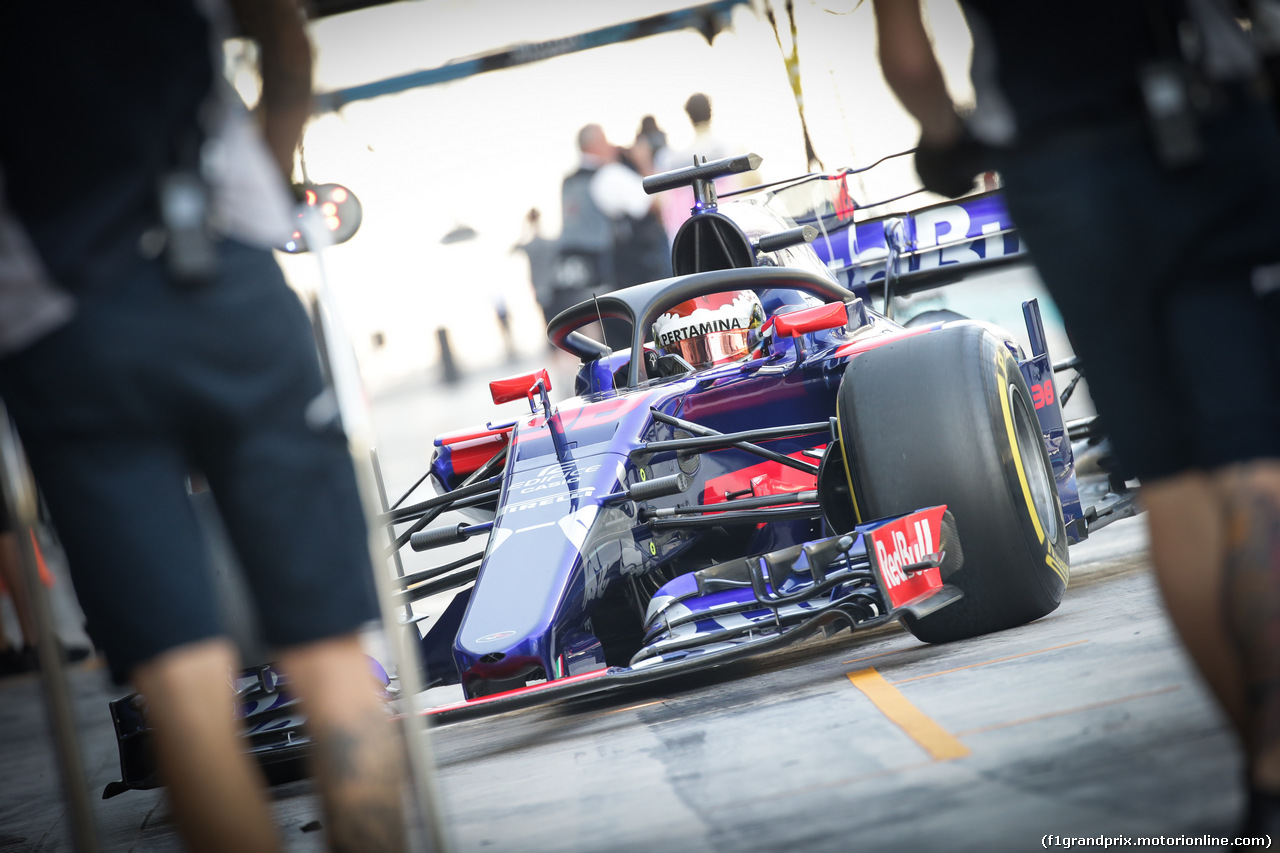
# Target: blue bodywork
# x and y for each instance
(530, 611)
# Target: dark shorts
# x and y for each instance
(1153, 272)
(148, 383)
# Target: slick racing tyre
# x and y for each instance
(946, 418)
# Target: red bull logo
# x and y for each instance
(902, 543)
(905, 552)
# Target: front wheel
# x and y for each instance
(946, 418)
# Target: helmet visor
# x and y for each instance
(712, 348)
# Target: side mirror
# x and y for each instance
(519, 387)
(830, 316)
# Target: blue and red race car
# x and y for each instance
(820, 467)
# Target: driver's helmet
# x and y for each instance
(711, 329)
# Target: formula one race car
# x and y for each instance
(770, 458)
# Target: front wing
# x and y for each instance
(878, 573)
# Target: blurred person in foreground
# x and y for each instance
(1142, 166)
(146, 332)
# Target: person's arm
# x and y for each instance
(912, 71)
(279, 28)
(947, 157)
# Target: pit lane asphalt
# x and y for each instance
(1087, 722)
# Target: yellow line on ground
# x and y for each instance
(634, 707)
(989, 662)
(932, 738)
(1065, 711)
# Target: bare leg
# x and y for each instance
(1215, 542)
(1187, 529)
(358, 762)
(1252, 494)
(217, 792)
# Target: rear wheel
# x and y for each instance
(946, 418)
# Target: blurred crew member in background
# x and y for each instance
(146, 331)
(611, 235)
(705, 141)
(654, 136)
(541, 253)
(1142, 166)
(706, 144)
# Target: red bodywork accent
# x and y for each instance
(470, 434)
(468, 456)
(910, 539)
(471, 448)
(814, 319)
(844, 205)
(766, 478)
(579, 415)
(45, 577)
(484, 700)
(871, 343)
(518, 387)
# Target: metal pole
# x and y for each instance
(344, 377)
(395, 554)
(20, 496)
(895, 242)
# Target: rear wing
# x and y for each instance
(932, 246)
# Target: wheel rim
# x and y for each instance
(1039, 478)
